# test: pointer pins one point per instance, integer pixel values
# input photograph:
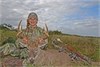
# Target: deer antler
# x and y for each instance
(46, 30)
(19, 28)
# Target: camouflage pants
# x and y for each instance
(29, 56)
(11, 49)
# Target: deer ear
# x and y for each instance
(19, 29)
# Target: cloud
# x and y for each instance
(89, 23)
(55, 13)
(89, 27)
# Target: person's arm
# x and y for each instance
(22, 40)
(43, 40)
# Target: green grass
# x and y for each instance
(4, 34)
(88, 46)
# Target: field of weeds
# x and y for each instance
(88, 46)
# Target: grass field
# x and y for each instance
(88, 46)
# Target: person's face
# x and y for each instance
(32, 21)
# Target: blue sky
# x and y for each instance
(80, 17)
(86, 12)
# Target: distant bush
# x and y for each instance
(55, 32)
(6, 26)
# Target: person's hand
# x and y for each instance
(41, 40)
(25, 40)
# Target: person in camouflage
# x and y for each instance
(28, 43)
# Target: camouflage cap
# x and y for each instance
(32, 14)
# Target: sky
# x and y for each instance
(79, 17)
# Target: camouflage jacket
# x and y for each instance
(19, 48)
(32, 35)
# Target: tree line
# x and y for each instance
(5, 26)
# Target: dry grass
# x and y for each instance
(88, 46)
